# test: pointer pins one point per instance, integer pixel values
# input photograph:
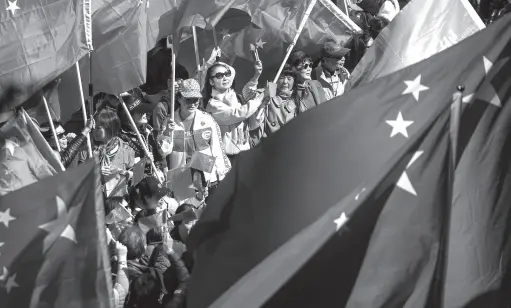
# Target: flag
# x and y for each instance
(420, 30)
(282, 186)
(138, 172)
(202, 162)
(478, 253)
(161, 19)
(25, 157)
(51, 93)
(274, 26)
(180, 182)
(119, 36)
(117, 215)
(51, 242)
(39, 41)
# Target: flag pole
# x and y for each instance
(84, 111)
(50, 121)
(298, 32)
(196, 48)
(173, 88)
(455, 122)
(139, 137)
(339, 14)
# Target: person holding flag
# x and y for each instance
(331, 72)
(196, 138)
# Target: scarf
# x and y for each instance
(108, 151)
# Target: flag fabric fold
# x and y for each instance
(119, 59)
(251, 214)
(39, 41)
(44, 239)
(420, 30)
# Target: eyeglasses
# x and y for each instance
(221, 75)
(305, 66)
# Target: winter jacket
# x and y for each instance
(205, 138)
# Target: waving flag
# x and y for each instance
(422, 29)
(51, 243)
(39, 41)
(119, 37)
(379, 130)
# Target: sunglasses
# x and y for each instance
(221, 75)
(305, 66)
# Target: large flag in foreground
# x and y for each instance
(330, 159)
(422, 29)
(53, 243)
(39, 40)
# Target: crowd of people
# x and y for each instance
(149, 260)
(150, 263)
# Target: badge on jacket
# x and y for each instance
(206, 135)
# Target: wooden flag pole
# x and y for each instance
(139, 137)
(84, 108)
(50, 121)
(298, 32)
(339, 14)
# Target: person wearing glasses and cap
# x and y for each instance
(196, 131)
(331, 72)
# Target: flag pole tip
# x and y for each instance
(460, 88)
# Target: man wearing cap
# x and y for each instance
(147, 193)
(331, 72)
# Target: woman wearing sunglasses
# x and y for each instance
(309, 93)
(229, 109)
(70, 144)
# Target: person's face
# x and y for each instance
(185, 227)
(189, 104)
(62, 141)
(333, 64)
(139, 118)
(285, 83)
(305, 69)
(220, 78)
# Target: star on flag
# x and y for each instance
(224, 32)
(5, 217)
(404, 181)
(487, 92)
(339, 222)
(260, 44)
(414, 87)
(11, 281)
(59, 227)
(13, 6)
(399, 126)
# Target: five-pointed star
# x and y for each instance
(414, 87)
(5, 217)
(10, 146)
(487, 91)
(260, 44)
(404, 181)
(399, 126)
(11, 283)
(59, 227)
(339, 222)
(13, 6)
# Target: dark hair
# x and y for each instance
(182, 208)
(134, 239)
(375, 25)
(144, 213)
(144, 292)
(112, 202)
(109, 121)
(298, 57)
(208, 88)
(155, 235)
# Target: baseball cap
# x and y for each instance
(190, 88)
